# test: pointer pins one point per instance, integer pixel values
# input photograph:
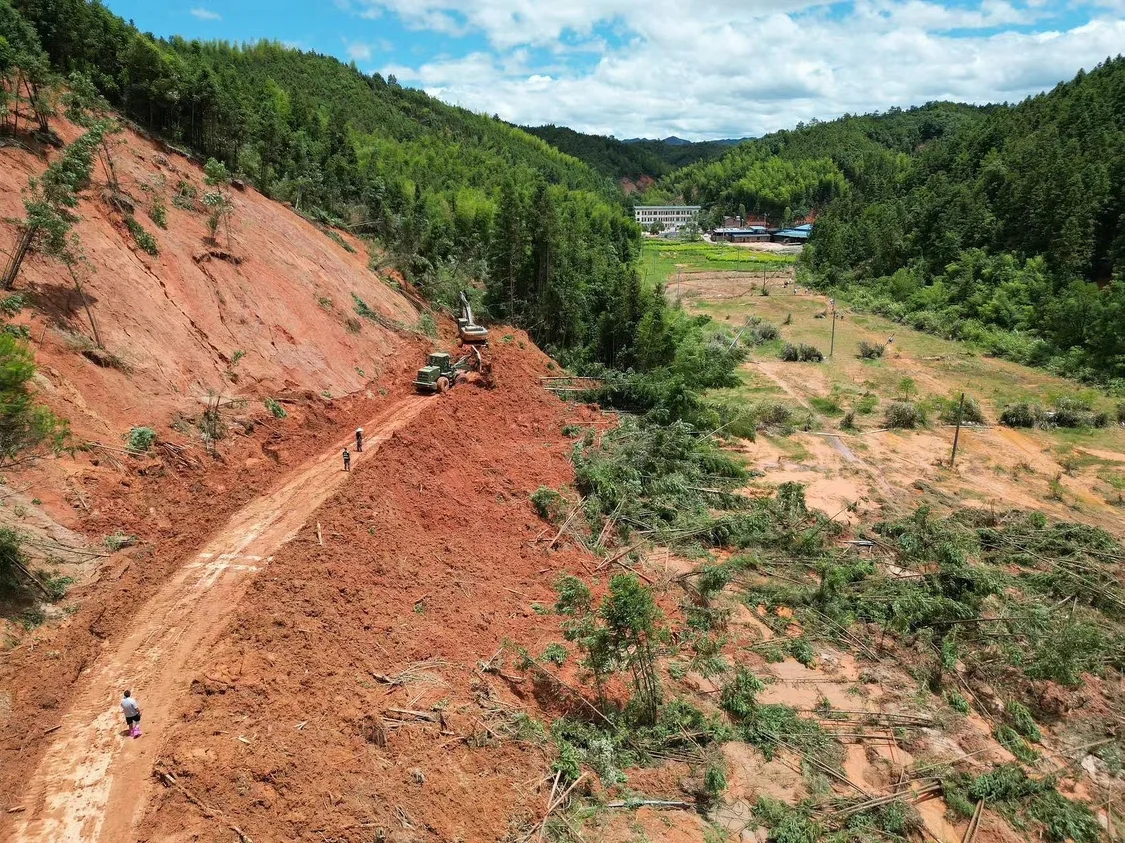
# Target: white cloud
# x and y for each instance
(206, 14)
(357, 50)
(709, 68)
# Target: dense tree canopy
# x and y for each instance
(1006, 228)
(631, 160)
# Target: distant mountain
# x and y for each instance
(672, 140)
(634, 160)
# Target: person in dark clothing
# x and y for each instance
(132, 710)
(359, 438)
(347, 460)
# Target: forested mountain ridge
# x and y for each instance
(1008, 229)
(788, 173)
(999, 224)
(632, 159)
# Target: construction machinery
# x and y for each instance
(469, 331)
(441, 373)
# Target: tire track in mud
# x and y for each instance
(93, 782)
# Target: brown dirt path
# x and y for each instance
(92, 783)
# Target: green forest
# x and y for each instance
(629, 160)
(999, 225)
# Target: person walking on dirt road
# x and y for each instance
(359, 438)
(347, 460)
(132, 710)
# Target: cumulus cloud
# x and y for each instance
(206, 14)
(706, 68)
(357, 50)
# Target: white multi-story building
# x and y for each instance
(673, 216)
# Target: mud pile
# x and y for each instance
(429, 564)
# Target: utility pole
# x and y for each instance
(832, 345)
(957, 432)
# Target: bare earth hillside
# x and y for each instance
(177, 320)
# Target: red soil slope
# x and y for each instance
(178, 319)
(429, 559)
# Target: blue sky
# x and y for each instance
(694, 68)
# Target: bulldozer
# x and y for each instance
(469, 331)
(441, 373)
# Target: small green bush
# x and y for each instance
(802, 651)
(141, 237)
(118, 541)
(141, 439)
(800, 353)
(158, 212)
(714, 783)
(427, 325)
(957, 702)
(971, 414)
(848, 421)
(1018, 415)
(275, 408)
(555, 654)
(547, 502)
(869, 351)
(1022, 721)
(13, 304)
(1011, 741)
(903, 414)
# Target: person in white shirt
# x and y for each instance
(132, 710)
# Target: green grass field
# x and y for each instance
(661, 261)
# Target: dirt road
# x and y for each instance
(92, 783)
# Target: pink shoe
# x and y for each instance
(135, 732)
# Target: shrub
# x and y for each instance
(1023, 722)
(758, 331)
(739, 697)
(714, 782)
(158, 212)
(1018, 415)
(141, 237)
(1011, 741)
(802, 651)
(13, 304)
(870, 351)
(800, 353)
(970, 414)
(848, 421)
(141, 439)
(957, 702)
(547, 502)
(1120, 411)
(427, 325)
(119, 541)
(11, 557)
(275, 408)
(555, 654)
(903, 414)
